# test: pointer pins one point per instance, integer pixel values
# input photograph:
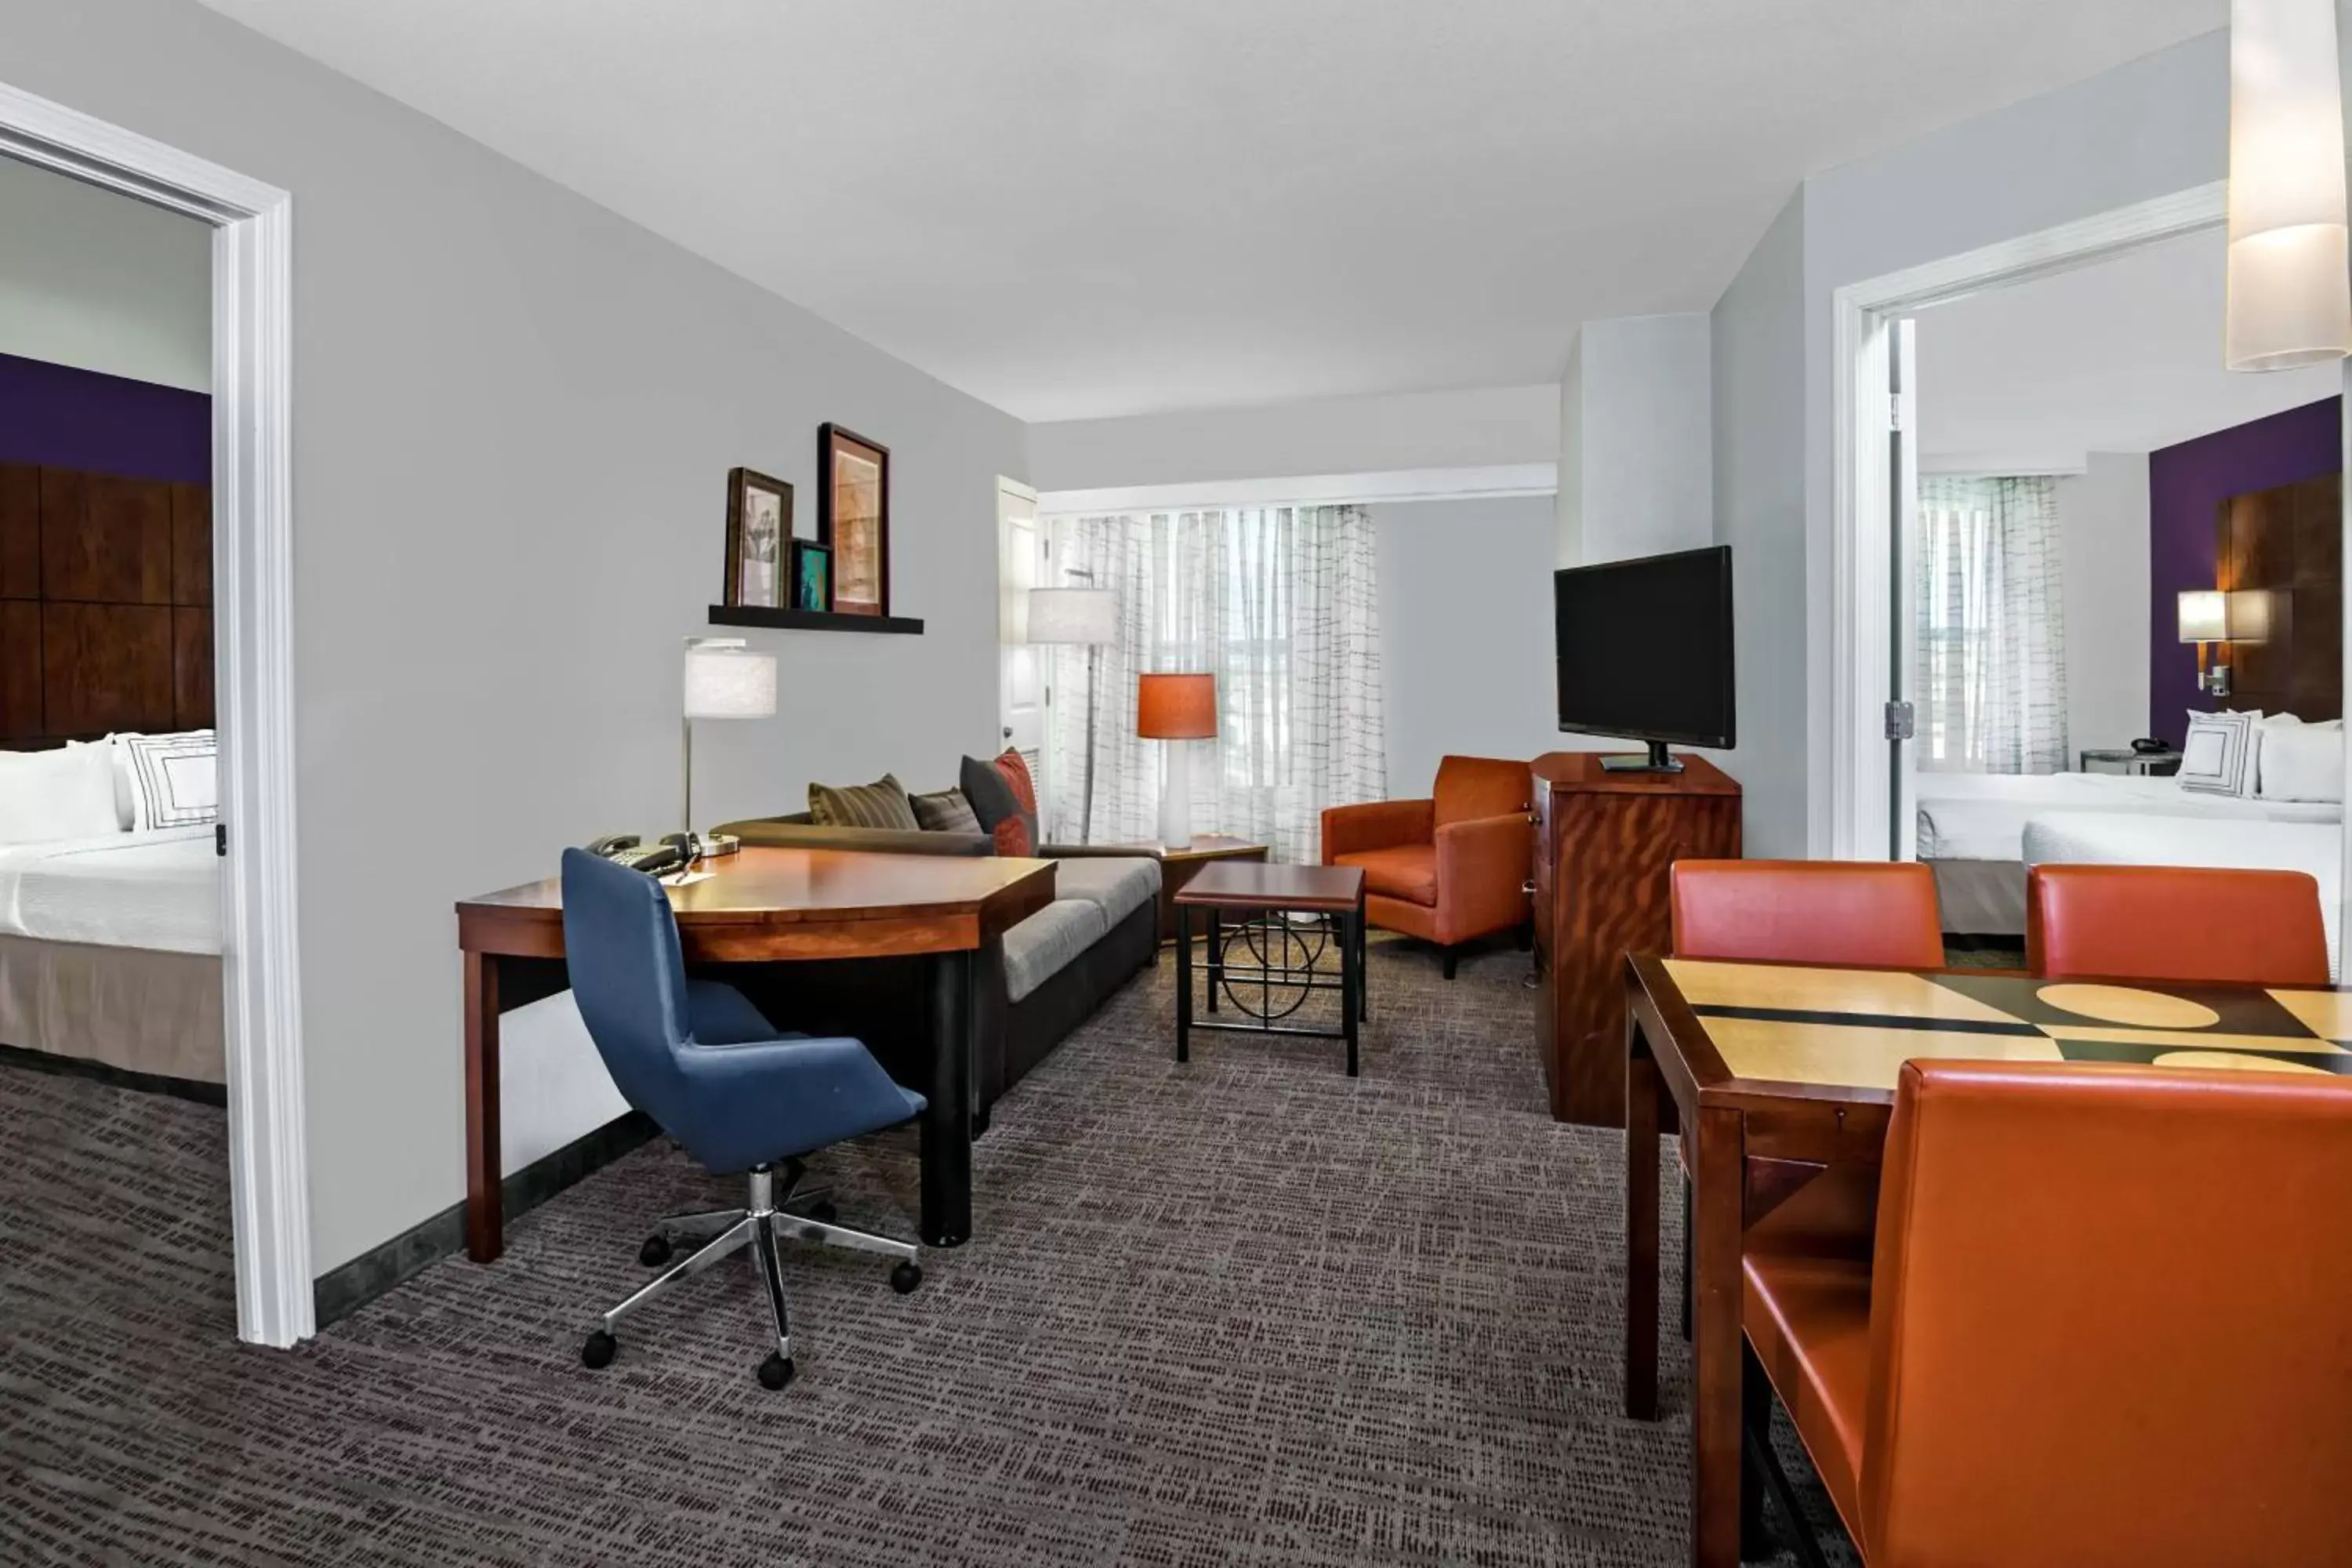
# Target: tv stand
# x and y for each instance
(1658, 760)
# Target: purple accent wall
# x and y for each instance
(69, 418)
(2186, 487)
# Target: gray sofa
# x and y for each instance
(1048, 975)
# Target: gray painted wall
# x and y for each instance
(1635, 422)
(1759, 338)
(102, 281)
(514, 417)
(2103, 561)
(1466, 632)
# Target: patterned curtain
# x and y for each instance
(1278, 603)
(1991, 675)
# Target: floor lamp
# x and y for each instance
(1077, 618)
(722, 681)
(1176, 709)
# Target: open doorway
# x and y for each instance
(154, 609)
(2062, 477)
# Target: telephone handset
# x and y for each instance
(673, 852)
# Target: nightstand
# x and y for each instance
(2124, 759)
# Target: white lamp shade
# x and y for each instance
(2204, 615)
(730, 683)
(2290, 300)
(1084, 615)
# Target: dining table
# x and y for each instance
(1773, 1075)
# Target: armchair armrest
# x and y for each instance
(1483, 867)
(1376, 825)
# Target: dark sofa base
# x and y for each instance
(1029, 1030)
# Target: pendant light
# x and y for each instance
(2290, 277)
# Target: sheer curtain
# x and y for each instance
(1278, 603)
(1991, 675)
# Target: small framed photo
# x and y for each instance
(759, 531)
(812, 576)
(854, 518)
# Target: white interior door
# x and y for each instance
(1902, 596)
(1020, 684)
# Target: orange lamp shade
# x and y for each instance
(1176, 707)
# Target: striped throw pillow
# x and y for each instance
(945, 812)
(882, 804)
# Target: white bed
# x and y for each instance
(2123, 838)
(109, 952)
(1982, 817)
(159, 891)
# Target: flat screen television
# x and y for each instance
(1645, 652)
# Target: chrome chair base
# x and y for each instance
(766, 1217)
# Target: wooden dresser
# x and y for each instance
(1603, 842)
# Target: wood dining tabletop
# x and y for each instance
(1774, 1074)
(767, 905)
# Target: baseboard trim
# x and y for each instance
(348, 1286)
(119, 1078)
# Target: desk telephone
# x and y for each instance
(673, 852)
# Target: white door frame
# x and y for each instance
(1858, 785)
(253, 652)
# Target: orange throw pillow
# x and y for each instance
(1011, 837)
(1016, 774)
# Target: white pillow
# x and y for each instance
(64, 794)
(2303, 761)
(2217, 757)
(173, 778)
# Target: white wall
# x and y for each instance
(1759, 441)
(514, 416)
(103, 282)
(1636, 425)
(2103, 559)
(1491, 428)
(1466, 632)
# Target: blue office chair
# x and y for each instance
(737, 1093)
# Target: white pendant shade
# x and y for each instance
(1083, 616)
(2290, 273)
(726, 682)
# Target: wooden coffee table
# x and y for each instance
(1261, 896)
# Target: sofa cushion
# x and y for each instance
(882, 804)
(1036, 949)
(1407, 872)
(1120, 885)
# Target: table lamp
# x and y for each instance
(723, 680)
(1176, 707)
(1077, 618)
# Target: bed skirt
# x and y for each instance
(1982, 898)
(128, 1007)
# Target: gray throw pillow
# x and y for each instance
(882, 804)
(945, 810)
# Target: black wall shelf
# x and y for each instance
(812, 620)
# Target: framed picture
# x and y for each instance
(854, 518)
(812, 576)
(759, 531)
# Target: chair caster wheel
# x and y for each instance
(906, 1276)
(655, 1252)
(598, 1349)
(823, 1212)
(776, 1371)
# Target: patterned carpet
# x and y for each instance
(1245, 1311)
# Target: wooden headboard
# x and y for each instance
(106, 592)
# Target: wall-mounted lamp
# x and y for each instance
(2210, 616)
(2290, 300)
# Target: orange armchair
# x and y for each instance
(2098, 1327)
(2224, 926)
(1448, 869)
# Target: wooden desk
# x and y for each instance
(759, 907)
(1776, 1073)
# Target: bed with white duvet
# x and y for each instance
(159, 891)
(2077, 838)
(1982, 817)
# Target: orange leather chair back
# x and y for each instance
(1471, 787)
(2109, 1319)
(2176, 922)
(1854, 913)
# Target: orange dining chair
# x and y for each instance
(2099, 1326)
(1847, 914)
(2222, 926)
